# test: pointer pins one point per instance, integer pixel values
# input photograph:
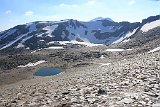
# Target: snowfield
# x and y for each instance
(154, 50)
(117, 50)
(32, 64)
(55, 47)
(50, 29)
(127, 35)
(150, 26)
(14, 41)
(88, 44)
(24, 40)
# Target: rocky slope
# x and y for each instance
(146, 38)
(39, 34)
(121, 81)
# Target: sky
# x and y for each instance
(15, 12)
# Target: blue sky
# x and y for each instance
(14, 12)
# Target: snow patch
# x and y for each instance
(60, 42)
(126, 101)
(12, 42)
(104, 64)
(87, 32)
(126, 40)
(125, 36)
(8, 33)
(117, 50)
(154, 50)
(32, 64)
(36, 50)
(88, 44)
(75, 42)
(63, 35)
(150, 26)
(39, 35)
(20, 45)
(101, 18)
(50, 29)
(130, 33)
(55, 47)
(23, 40)
(42, 40)
(156, 105)
(102, 57)
(27, 48)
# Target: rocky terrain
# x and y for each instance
(120, 79)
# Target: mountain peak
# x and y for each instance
(101, 18)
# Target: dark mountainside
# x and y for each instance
(38, 35)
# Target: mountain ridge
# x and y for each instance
(103, 31)
(101, 18)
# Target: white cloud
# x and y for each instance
(28, 13)
(8, 12)
(91, 2)
(131, 2)
(68, 5)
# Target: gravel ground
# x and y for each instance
(126, 81)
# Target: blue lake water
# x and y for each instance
(47, 71)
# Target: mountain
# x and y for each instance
(40, 34)
(147, 36)
(101, 18)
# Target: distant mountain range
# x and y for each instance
(39, 34)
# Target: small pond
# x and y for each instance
(47, 71)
